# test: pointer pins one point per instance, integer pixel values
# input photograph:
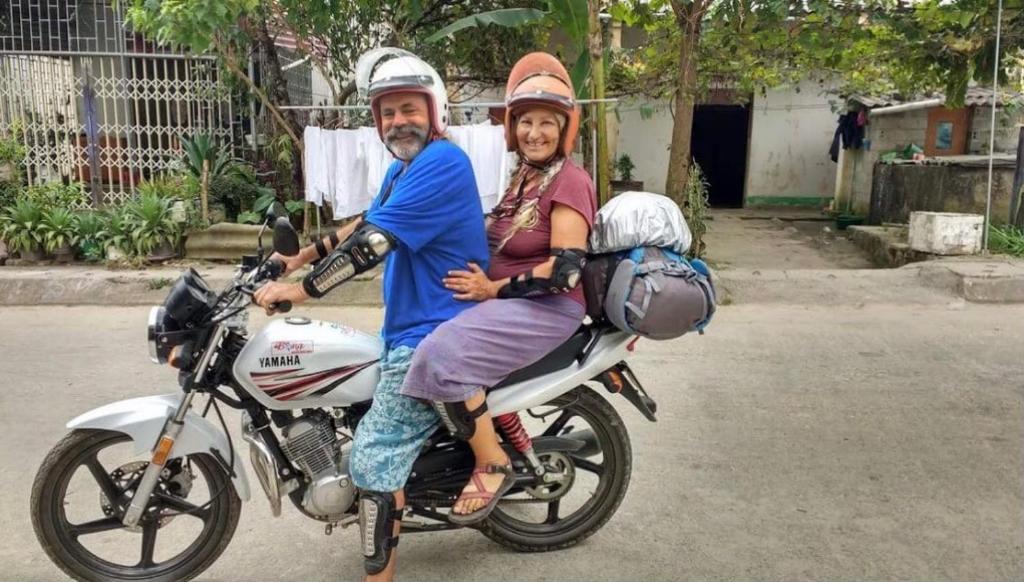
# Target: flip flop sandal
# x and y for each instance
(492, 497)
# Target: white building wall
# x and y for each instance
(645, 134)
(788, 151)
(791, 131)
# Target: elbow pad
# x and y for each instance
(362, 251)
(565, 276)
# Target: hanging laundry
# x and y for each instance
(315, 163)
(346, 167)
(850, 132)
(485, 145)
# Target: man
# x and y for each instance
(426, 220)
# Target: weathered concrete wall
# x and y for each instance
(899, 189)
(1006, 131)
(883, 133)
(791, 130)
(895, 131)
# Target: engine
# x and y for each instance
(311, 443)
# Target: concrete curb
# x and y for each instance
(930, 282)
(97, 286)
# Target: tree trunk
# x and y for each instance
(596, 45)
(689, 19)
(274, 81)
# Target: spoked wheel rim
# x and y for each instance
(165, 506)
(573, 469)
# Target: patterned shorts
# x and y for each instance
(390, 436)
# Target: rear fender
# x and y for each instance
(143, 419)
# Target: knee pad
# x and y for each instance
(377, 516)
(458, 418)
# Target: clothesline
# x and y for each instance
(476, 105)
(345, 167)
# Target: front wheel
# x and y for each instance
(78, 498)
(586, 487)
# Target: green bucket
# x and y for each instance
(846, 220)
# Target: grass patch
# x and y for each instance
(157, 284)
(1008, 240)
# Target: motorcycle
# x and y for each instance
(139, 466)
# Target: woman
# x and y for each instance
(538, 236)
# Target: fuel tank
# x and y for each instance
(301, 363)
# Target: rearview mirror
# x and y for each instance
(275, 211)
(286, 240)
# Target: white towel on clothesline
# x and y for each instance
(346, 167)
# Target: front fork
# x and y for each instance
(165, 444)
(161, 453)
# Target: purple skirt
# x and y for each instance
(482, 345)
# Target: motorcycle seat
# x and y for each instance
(559, 358)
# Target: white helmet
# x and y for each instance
(385, 71)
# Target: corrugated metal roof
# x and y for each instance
(976, 96)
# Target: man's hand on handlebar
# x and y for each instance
(274, 294)
(291, 264)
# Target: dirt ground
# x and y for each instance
(779, 239)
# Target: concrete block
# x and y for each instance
(225, 241)
(946, 233)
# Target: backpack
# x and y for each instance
(649, 291)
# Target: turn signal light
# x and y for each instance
(615, 381)
(174, 358)
(162, 451)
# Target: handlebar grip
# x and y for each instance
(272, 269)
(282, 307)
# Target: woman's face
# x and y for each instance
(538, 131)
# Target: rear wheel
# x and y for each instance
(78, 498)
(588, 486)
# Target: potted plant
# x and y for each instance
(59, 233)
(624, 168)
(91, 235)
(21, 226)
(154, 231)
(116, 239)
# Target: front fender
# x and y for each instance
(143, 419)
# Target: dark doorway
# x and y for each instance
(719, 145)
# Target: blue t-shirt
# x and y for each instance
(434, 211)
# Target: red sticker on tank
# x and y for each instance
(289, 348)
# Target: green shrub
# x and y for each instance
(59, 228)
(11, 151)
(1006, 239)
(9, 192)
(58, 195)
(21, 225)
(92, 232)
(118, 231)
(166, 186)
(695, 209)
(151, 223)
(624, 167)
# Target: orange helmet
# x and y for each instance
(539, 80)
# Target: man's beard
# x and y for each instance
(406, 150)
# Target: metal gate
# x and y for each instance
(93, 102)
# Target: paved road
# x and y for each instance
(870, 443)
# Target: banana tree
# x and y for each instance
(580, 21)
(569, 16)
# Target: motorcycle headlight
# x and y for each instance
(159, 335)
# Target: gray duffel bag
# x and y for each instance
(651, 292)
